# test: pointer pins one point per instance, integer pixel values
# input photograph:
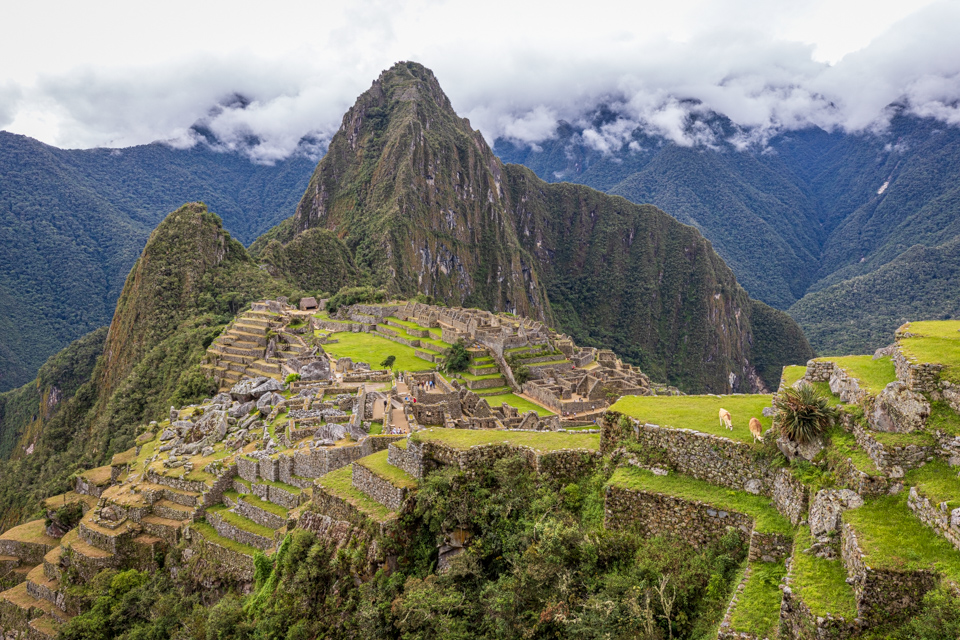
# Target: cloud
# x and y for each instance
(661, 72)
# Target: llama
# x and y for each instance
(756, 429)
(726, 420)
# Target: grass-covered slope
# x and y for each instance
(72, 223)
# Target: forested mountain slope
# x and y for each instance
(809, 210)
(72, 222)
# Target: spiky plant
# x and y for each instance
(804, 413)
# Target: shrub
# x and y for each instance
(291, 377)
(521, 373)
(388, 362)
(803, 414)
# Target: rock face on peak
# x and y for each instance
(422, 205)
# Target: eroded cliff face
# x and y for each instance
(424, 206)
(417, 195)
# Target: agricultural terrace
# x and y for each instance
(936, 342)
(698, 413)
(873, 375)
(793, 374)
(371, 348)
(766, 518)
(522, 404)
(540, 441)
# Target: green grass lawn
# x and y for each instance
(943, 418)
(466, 375)
(699, 413)
(938, 482)
(377, 463)
(935, 341)
(821, 583)
(340, 484)
(843, 445)
(891, 537)
(873, 375)
(405, 323)
(240, 522)
(376, 428)
(793, 373)
(766, 518)
(514, 400)
(758, 608)
(540, 441)
(370, 348)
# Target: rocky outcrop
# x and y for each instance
(899, 410)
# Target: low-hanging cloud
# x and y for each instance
(272, 106)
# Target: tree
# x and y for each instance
(388, 362)
(458, 359)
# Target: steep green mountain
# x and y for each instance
(811, 210)
(72, 222)
(190, 280)
(424, 206)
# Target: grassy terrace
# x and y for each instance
(522, 404)
(340, 484)
(275, 509)
(943, 418)
(891, 537)
(366, 347)
(377, 463)
(699, 413)
(466, 375)
(210, 534)
(820, 583)
(289, 488)
(758, 609)
(240, 522)
(843, 446)
(935, 341)
(439, 345)
(766, 518)
(33, 531)
(542, 441)
(793, 373)
(873, 375)
(938, 482)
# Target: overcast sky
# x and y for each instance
(117, 73)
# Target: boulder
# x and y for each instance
(899, 410)
(206, 451)
(241, 409)
(792, 449)
(174, 414)
(827, 507)
(168, 434)
(243, 390)
(268, 385)
(316, 370)
(223, 398)
(768, 412)
(267, 400)
(213, 423)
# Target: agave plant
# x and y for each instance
(804, 413)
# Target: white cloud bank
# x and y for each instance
(515, 69)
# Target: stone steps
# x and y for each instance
(179, 496)
(18, 606)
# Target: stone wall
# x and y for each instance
(695, 522)
(402, 459)
(237, 534)
(377, 488)
(721, 461)
(921, 377)
(886, 458)
(883, 596)
(277, 495)
(228, 563)
(790, 496)
(818, 371)
(863, 483)
(316, 462)
(940, 518)
(800, 623)
(260, 516)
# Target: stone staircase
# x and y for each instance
(244, 349)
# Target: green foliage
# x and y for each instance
(521, 374)
(938, 620)
(804, 414)
(355, 295)
(458, 358)
(291, 377)
(72, 223)
(387, 363)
